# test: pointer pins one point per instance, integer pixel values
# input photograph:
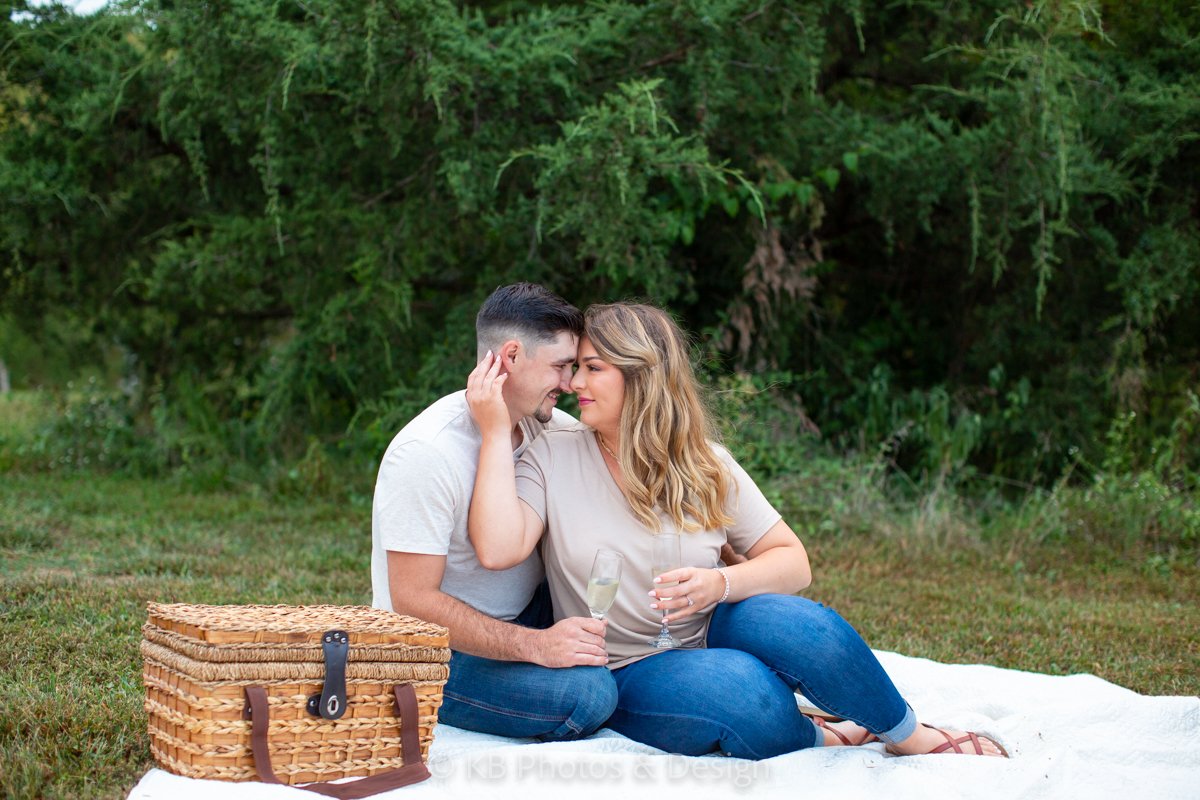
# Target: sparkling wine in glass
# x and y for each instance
(664, 557)
(603, 582)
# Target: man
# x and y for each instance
(511, 672)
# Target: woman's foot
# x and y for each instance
(844, 733)
(928, 740)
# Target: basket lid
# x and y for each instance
(281, 624)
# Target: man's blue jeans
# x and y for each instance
(516, 698)
(737, 697)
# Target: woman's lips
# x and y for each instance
(585, 401)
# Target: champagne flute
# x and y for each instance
(603, 582)
(664, 557)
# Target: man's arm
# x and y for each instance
(415, 581)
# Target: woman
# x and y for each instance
(642, 463)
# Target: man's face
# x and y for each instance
(538, 377)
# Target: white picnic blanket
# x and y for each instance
(1070, 737)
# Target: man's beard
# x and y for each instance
(545, 416)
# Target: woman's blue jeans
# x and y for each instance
(515, 698)
(736, 696)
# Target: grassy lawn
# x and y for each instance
(81, 554)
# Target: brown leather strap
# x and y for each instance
(410, 723)
(413, 770)
(260, 719)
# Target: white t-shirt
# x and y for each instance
(563, 477)
(422, 495)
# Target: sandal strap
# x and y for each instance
(953, 744)
(820, 723)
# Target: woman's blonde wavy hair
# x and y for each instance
(665, 452)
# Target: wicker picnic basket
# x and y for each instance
(293, 694)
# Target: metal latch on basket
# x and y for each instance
(331, 702)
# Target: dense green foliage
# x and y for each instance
(961, 238)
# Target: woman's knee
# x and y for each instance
(759, 624)
(769, 610)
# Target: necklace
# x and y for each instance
(607, 449)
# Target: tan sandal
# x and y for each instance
(953, 745)
(841, 737)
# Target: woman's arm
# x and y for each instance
(778, 563)
(503, 529)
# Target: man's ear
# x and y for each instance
(508, 354)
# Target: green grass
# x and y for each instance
(21, 413)
(1042, 608)
(82, 553)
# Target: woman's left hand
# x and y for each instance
(485, 397)
(697, 589)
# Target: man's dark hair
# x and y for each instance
(528, 312)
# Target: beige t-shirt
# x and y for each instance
(562, 476)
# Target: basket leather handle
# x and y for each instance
(413, 771)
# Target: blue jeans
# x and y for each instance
(736, 696)
(519, 699)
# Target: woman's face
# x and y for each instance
(600, 389)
